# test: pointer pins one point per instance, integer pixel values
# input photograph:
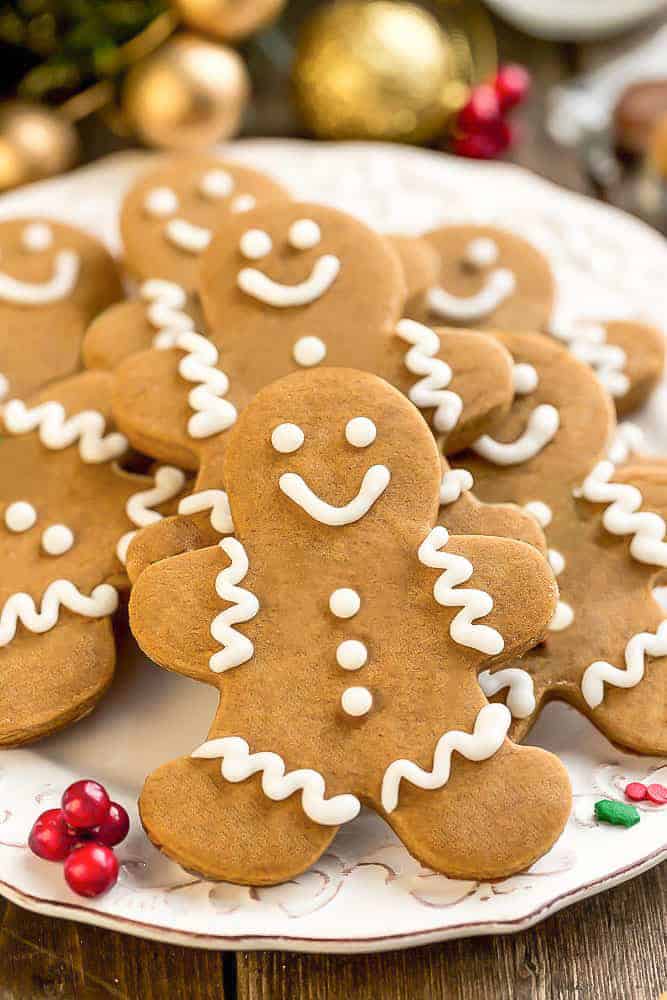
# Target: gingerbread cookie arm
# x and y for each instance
(169, 537)
(115, 334)
(644, 349)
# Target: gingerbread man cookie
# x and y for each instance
(372, 661)
(607, 645)
(420, 263)
(68, 514)
(53, 280)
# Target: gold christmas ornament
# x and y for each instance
(374, 69)
(35, 142)
(228, 20)
(187, 95)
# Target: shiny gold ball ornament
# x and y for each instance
(35, 142)
(374, 69)
(186, 95)
(228, 20)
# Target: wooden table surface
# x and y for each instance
(610, 947)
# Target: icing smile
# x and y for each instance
(273, 293)
(59, 286)
(186, 236)
(372, 487)
(499, 285)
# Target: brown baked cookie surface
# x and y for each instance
(420, 263)
(345, 633)
(606, 650)
(53, 280)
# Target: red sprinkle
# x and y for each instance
(636, 791)
(657, 794)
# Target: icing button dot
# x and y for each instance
(20, 516)
(161, 201)
(344, 602)
(356, 701)
(216, 183)
(351, 654)
(57, 539)
(309, 351)
(360, 432)
(304, 234)
(255, 243)
(287, 438)
(243, 203)
(37, 236)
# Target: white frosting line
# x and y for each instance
(186, 236)
(431, 390)
(372, 487)
(20, 516)
(66, 267)
(56, 431)
(199, 365)
(238, 764)
(344, 602)
(521, 695)
(168, 482)
(473, 603)
(542, 426)
(217, 502)
(525, 379)
(356, 701)
(20, 607)
(237, 648)
(309, 351)
(37, 237)
(453, 483)
(500, 284)
(57, 539)
(286, 438)
(587, 342)
(628, 440)
(273, 293)
(360, 432)
(487, 737)
(167, 301)
(638, 648)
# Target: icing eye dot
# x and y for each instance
(481, 252)
(20, 516)
(304, 234)
(255, 243)
(243, 203)
(525, 379)
(57, 539)
(37, 236)
(356, 701)
(287, 438)
(351, 654)
(216, 183)
(344, 602)
(309, 351)
(161, 201)
(360, 432)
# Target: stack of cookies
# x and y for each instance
(362, 484)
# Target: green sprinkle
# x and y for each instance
(618, 813)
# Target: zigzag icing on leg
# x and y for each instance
(168, 482)
(638, 648)
(486, 739)
(238, 764)
(21, 607)
(217, 502)
(521, 695)
(432, 389)
(57, 431)
(238, 649)
(473, 603)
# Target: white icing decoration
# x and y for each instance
(360, 432)
(628, 440)
(499, 285)
(587, 342)
(56, 431)
(541, 429)
(57, 539)
(160, 202)
(168, 482)
(287, 438)
(481, 252)
(304, 234)
(453, 484)
(274, 293)
(199, 365)
(344, 602)
(473, 603)
(255, 244)
(372, 487)
(487, 737)
(622, 517)
(217, 502)
(556, 561)
(563, 617)
(356, 701)
(638, 648)
(243, 203)
(309, 351)
(66, 267)
(20, 607)
(167, 301)
(238, 764)
(431, 390)
(216, 183)
(20, 516)
(525, 379)
(521, 695)
(244, 605)
(540, 511)
(186, 236)
(351, 654)
(37, 237)
(4, 386)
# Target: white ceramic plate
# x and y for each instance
(366, 893)
(577, 20)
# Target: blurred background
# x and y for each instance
(574, 89)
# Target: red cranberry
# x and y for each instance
(91, 869)
(114, 828)
(85, 804)
(481, 110)
(657, 794)
(51, 838)
(512, 83)
(486, 144)
(636, 791)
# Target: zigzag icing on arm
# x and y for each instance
(214, 414)
(168, 482)
(473, 603)
(431, 390)
(167, 301)
(521, 695)
(21, 607)
(237, 648)
(623, 517)
(217, 502)
(541, 428)
(57, 431)
(453, 483)
(588, 343)
(238, 764)
(487, 737)
(638, 648)
(628, 440)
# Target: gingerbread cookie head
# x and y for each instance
(376, 657)
(488, 279)
(53, 280)
(168, 218)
